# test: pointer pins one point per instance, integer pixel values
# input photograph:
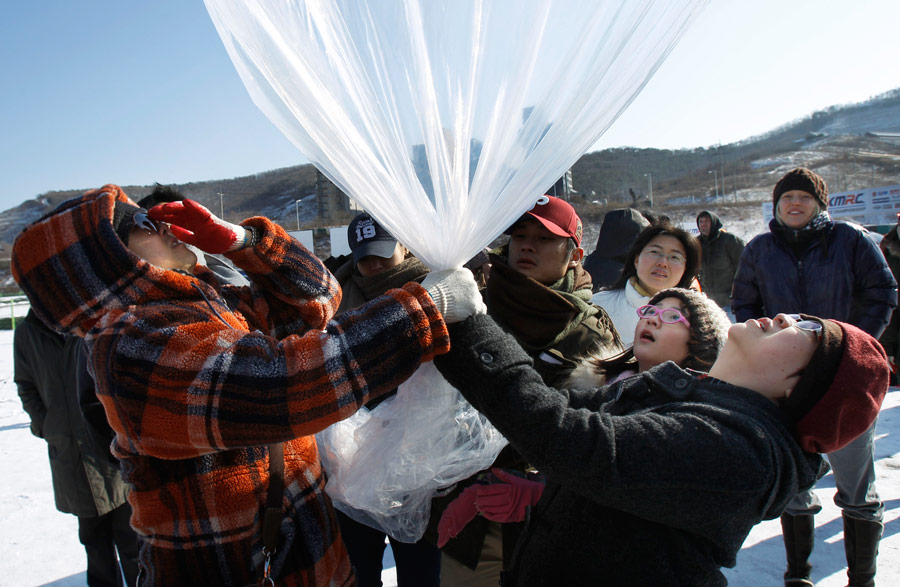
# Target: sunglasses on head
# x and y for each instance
(667, 315)
(806, 325)
(142, 221)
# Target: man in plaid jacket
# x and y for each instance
(199, 379)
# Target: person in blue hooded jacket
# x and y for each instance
(809, 263)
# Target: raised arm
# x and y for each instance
(186, 390)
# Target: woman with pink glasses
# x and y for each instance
(679, 325)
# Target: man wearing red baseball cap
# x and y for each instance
(538, 291)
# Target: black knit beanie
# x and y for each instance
(803, 179)
(709, 326)
(123, 219)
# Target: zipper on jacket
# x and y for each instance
(801, 283)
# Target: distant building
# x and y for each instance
(887, 137)
(563, 188)
(423, 173)
(332, 203)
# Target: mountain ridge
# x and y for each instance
(852, 146)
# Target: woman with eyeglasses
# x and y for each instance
(679, 325)
(658, 478)
(662, 256)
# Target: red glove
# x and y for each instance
(193, 224)
(460, 512)
(508, 501)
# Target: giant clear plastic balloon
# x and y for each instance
(445, 119)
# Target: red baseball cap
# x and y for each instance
(557, 216)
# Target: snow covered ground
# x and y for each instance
(40, 545)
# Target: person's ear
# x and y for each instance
(793, 380)
(577, 256)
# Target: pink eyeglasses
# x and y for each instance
(667, 315)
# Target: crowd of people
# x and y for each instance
(660, 396)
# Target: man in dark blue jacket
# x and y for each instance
(809, 263)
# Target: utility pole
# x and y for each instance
(722, 169)
(649, 177)
(221, 207)
(297, 209)
(716, 176)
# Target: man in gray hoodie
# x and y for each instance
(719, 262)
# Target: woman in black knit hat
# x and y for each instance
(809, 263)
(692, 343)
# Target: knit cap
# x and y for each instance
(803, 179)
(709, 325)
(123, 219)
(841, 389)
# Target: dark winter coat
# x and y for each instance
(557, 326)
(198, 378)
(890, 339)
(86, 477)
(618, 232)
(841, 275)
(654, 480)
(719, 261)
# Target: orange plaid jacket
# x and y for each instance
(197, 378)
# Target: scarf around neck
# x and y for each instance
(538, 315)
(800, 239)
(358, 289)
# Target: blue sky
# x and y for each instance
(134, 92)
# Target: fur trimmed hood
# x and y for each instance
(74, 267)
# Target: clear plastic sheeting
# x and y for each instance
(446, 120)
(386, 464)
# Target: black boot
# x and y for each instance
(799, 538)
(861, 538)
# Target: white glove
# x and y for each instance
(455, 294)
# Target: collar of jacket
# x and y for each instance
(668, 380)
(634, 298)
(357, 289)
